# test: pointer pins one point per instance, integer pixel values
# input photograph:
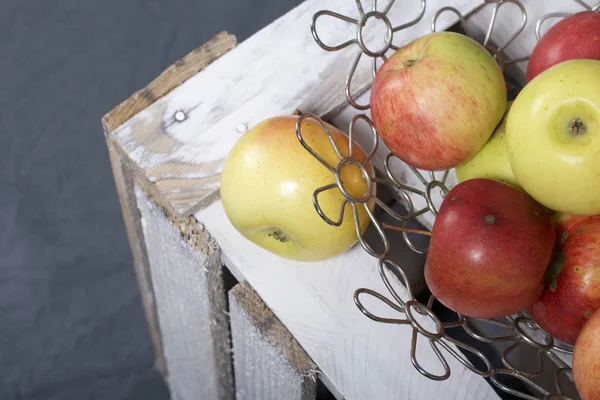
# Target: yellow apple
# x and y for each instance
(267, 189)
(491, 161)
(553, 136)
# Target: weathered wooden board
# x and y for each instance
(191, 303)
(170, 78)
(359, 358)
(124, 183)
(180, 141)
(124, 171)
(269, 363)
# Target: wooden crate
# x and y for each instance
(286, 324)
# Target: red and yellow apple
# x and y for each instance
(553, 136)
(489, 248)
(437, 100)
(586, 360)
(267, 189)
(575, 37)
(491, 161)
(572, 291)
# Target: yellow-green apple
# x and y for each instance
(553, 136)
(577, 36)
(489, 248)
(267, 189)
(572, 291)
(586, 360)
(437, 100)
(491, 161)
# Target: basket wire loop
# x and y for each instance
(463, 360)
(519, 330)
(495, 51)
(546, 17)
(438, 353)
(360, 41)
(461, 19)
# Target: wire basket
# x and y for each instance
(444, 330)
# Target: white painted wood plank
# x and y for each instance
(269, 363)
(190, 300)
(124, 183)
(275, 71)
(359, 358)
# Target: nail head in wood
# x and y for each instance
(180, 116)
(241, 128)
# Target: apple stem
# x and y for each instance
(576, 127)
(403, 229)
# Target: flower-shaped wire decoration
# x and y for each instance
(546, 17)
(497, 52)
(431, 182)
(368, 199)
(391, 30)
(360, 41)
(521, 330)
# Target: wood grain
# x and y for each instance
(269, 363)
(358, 358)
(181, 141)
(124, 171)
(173, 76)
(190, 302)
(124, 183)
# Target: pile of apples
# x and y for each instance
(521, 229)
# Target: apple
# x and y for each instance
(575, 37)
(268, 182)
(491, 161)
(569, 223)
(553, 137)
(586, 362)
(572, 291)
(489, 248)
(437, 100)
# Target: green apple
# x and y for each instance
(553, 137)
(491, 161)
(267, 189)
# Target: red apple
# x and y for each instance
(490, 246)
(575, 37)
(437, 100)
(572, 291)
(586, 360)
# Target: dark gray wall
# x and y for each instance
(71, 320)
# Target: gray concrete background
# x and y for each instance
(71, 320)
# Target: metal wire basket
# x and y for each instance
(445, 331)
